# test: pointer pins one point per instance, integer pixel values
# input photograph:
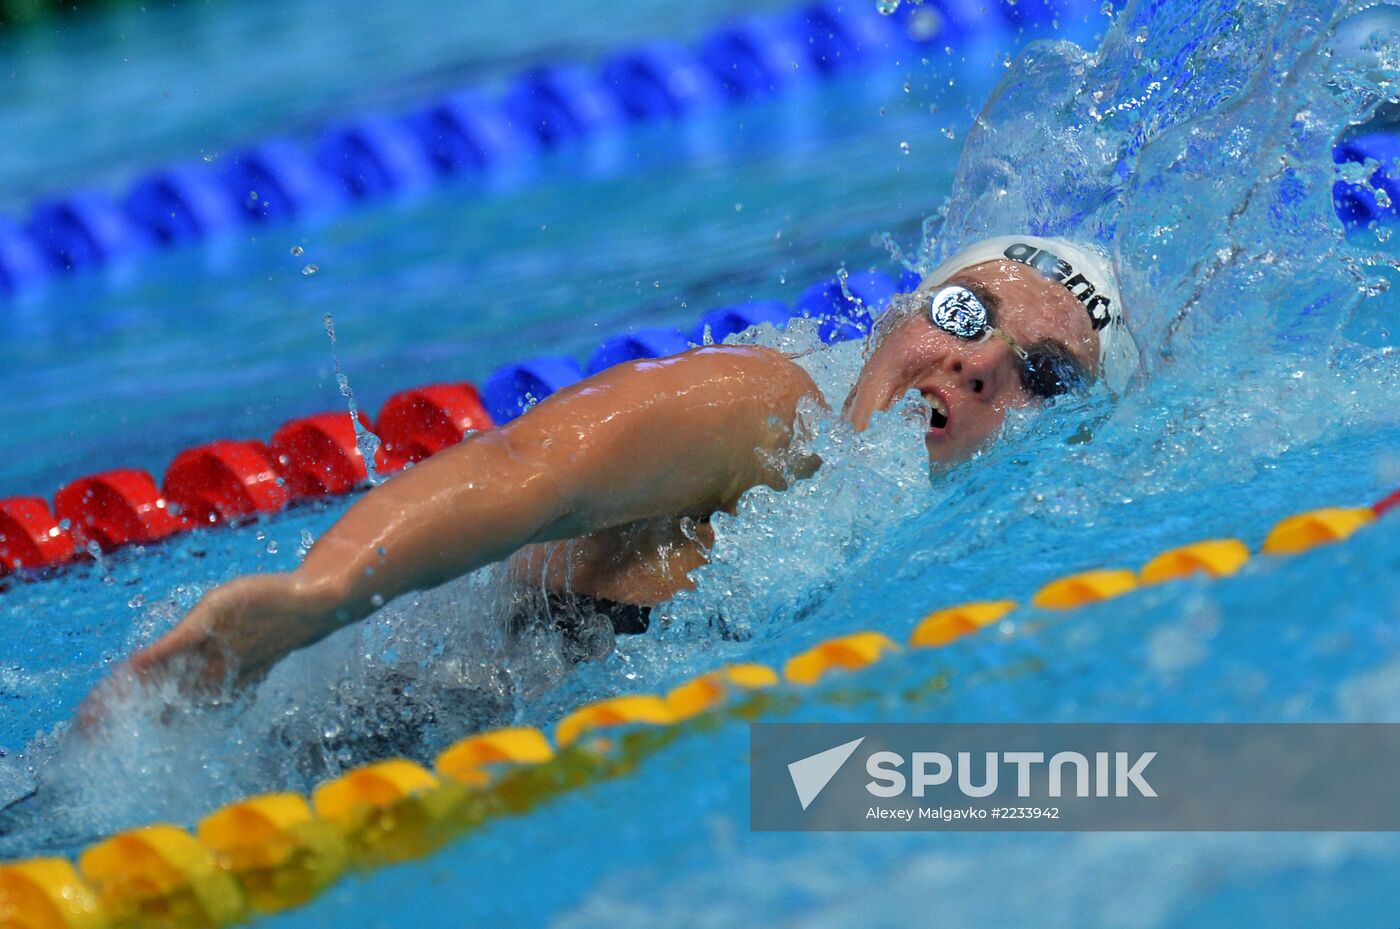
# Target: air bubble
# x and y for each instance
(309, 270)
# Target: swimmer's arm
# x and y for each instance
(681, 435)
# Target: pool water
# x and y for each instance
(1196, 139)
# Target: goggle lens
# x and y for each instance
(958, 312)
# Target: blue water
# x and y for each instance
(1197, 138)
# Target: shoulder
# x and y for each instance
(765, 371)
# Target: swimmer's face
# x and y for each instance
(970, 385)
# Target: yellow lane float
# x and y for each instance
(391, 810)
(469, 761)
(847, 652)
(160, 876)
(1088, 587)
(1214, 557)
(943, 626)
(280, 853)
(633, 709)
(46, 893)
(709, 691)
(1303, 531)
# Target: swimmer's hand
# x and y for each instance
(235, 634)
(229, 641)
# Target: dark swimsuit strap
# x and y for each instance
(626, 618)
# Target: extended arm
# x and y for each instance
(681, 435)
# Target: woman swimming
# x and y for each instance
(628, 460)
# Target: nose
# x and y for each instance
(981, 367)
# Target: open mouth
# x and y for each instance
(938, 411)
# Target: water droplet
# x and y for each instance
(272, 546)
(297, 250)
(904, 148)
(376, 600)
(738, 208)
(887, 7)
(137, 601)
(309, 270)
(949, 134)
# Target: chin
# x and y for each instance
(941, 450)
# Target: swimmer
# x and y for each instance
(617, 462)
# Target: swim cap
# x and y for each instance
(1084, 271)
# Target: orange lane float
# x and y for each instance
(223, 480)
(31, 536)
(115, 508)
(319, 455)
(423, 421)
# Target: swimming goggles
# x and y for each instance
(957, 311)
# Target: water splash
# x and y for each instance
(365, 440)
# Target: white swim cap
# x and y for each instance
(1084, 271)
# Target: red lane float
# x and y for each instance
(115, 508)
(318, 455)
(30, 535)
(226, 479)
(420, 422)
(1386, 504)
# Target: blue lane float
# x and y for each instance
(720, 324)
(512, 389)
(181, 204)
(87, 229)
(22, 268)
(758, 56)
(468, 133)
(661, 80)
(1379, 199)
(644, 343)
(562, 103)
(845, 35)
(846, 312)
(375, 157)
(278, 181)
